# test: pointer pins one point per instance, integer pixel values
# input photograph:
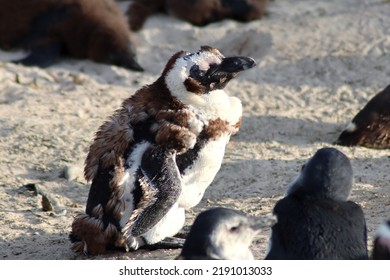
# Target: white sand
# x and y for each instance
(319, 62)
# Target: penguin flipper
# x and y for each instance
(167, 243)
(159, 165)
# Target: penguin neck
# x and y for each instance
(212, 105)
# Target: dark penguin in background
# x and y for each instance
(157, 154)
(371, 126)
(83, 29)
(222, 234)
(315, 219)
(381, 250)
(198, 12)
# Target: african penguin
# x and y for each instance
(381, 250)
(315, 220)
(82, 29)
(197, 12)
(222, 234)
(157, 154)
(371, 126)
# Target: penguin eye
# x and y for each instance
(187, 56)
(235, 228)
(195, 72)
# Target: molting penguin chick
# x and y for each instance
(222, 234)
(371, 126)
(381, 250)
(315, 220)
(198, 12)
(157, 154)
(83, 29)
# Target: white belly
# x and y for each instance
(169, 225)
(201, 173)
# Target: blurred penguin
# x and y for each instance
(381, 250)
(371, 126)
(198, 12)
(315, 219)
(81, 29)
(222, 234)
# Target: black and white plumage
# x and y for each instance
(157, 154)
(381, 249)
(315, 219)
(371, 126)
(222, 234)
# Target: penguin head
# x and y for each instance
(203, 71)
(328, 174)
(381, 250)
(221, 233)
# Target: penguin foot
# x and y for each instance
(167, 243)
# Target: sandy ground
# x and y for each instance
(319, 62)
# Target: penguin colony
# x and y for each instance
(127, 209)
(157, 154)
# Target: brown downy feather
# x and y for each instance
(371, 127)
(199, 12)
(114, 136)
(85, 29)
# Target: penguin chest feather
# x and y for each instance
(199, 175)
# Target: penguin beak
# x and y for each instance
(231, 65)
(218, 75)
(236, 64)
